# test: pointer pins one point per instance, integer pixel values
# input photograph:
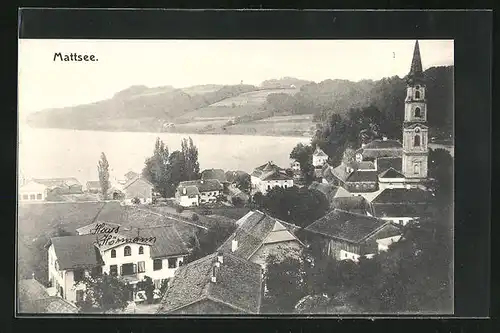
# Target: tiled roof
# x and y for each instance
(190, 190)
(252, 231)
(401, 210)
(53, 182)
(384, 163)
(87, 229)
(327, 189)
(238, 285)
(339, 172)
(232, 176)
(214, 174)
(345, 225)
(133, 180)
(204, 185)
(319, 152)
(403, 195)
(168, 241)
(270, 171)
(77, 251)
(353, 204)
(131, 175)
(365, 165)
(391, 173)
(383, 144)
(363, 176)
(54, 304)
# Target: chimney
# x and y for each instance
(234, 245)
(384, 138)
(220, 257)
(214, 274)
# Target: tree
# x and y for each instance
(103, 170)
(300, 206)
(284, 284)
(304, 155)
(156, 167)
(208, 241)
(441, 171)
(104, 293)
(190, 153)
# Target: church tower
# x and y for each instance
(415, 131)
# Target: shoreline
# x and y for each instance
(285, 135)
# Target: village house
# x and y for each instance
(215, 284)
(402, 205)
(62, 185)
(259, 235)
(352, 178)
(130, 254)
(218, 174)
(329, 191)
(268, 176)
(295, 166)
(319, 158)
(137, 188)
(33, 297)
(208, 191)
(353, 204)
(348, 236)
(33, 191)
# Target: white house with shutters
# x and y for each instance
(129, 254)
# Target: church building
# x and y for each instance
(399, 164)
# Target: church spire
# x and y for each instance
(416, 71)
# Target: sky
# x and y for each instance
(45, 83)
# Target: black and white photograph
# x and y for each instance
(235, 177)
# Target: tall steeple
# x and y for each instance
(416, 73)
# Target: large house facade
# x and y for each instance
(198, 192)
(268, 176)
(128, 254)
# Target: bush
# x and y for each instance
(206, 211)
(237, 201)
(195, 217)
(136, 201)
(179, 209)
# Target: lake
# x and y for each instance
(48, 153)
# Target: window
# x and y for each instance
(127, 251)
(172, 262)
(417, 141)
(418, 113)
(416, 168)
(157, 264)
(268, 187)
(417, 94)
(32, 197)
(25, 197)
(128, 269)
(56, 264)
(39, 196)
(141, 267)
(80, 295)
(401, 222)
(113, 270)
(141, 250)
(78, 275)
(113, 253)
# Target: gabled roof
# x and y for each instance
(75, 252)
(328, 190)
(190, 190)
(253, 230)
(55, 182)
(384, 163)
(218, 174)
(30, 290)
(131, 175)
(232, 176)
(401, 210)
(85, 230)
(403, 195)
(346, 226)
(167, 240)
(203, 185)
(391, 173)
(238, 285)
(54, 304)
(319, 152)
(365, 165)
(270, 171)
(362, 176)
(383, 144)
(353, 204)
(133, 180)
(381, 148)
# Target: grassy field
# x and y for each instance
(220, 112)
(38, 222)
(276, 126)
(253, 98)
